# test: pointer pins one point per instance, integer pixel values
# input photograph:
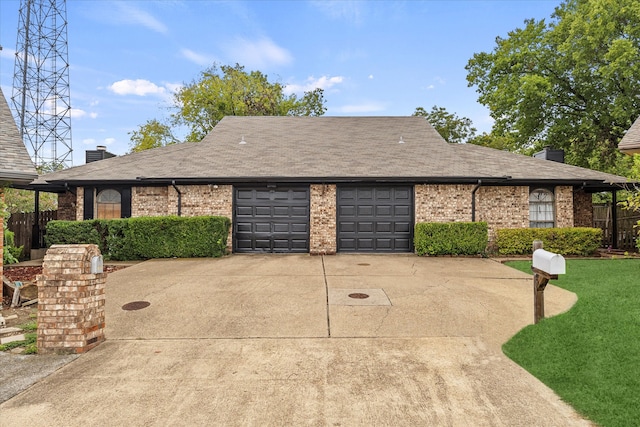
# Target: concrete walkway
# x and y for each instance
(276, 340)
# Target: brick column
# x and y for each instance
(70, 300)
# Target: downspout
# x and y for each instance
(173, 183)
(614, 219)
(473, 200)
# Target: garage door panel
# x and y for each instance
(384, 243)
(384, 227)
(347, 210)
(365, 227)
(299, 211)
(365, 210)
(402, 211)
(299, 228)
(347, 227)
(383, 210)
(402, 227)
(261, 227)
(271, 219)
(403, 244)
(375, 218)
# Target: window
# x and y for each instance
(541, 211)
(108, 204)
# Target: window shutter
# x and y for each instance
(88, 203)
(125, 209)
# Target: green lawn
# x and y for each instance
(590, 355)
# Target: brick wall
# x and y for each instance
(67, 206)
(564, 206)
(198, 200)
(503, 207)
(582, 209)
(149, 201)
(442, 203)
(500, 207)
(322, 232)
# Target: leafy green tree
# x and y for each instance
(17, 201)
(224, 91)
(499, 142)
(453, 129)
(571, 83)
(152, 134)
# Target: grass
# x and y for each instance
(29, 343)
(590, 356)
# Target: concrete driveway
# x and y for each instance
(276, 340)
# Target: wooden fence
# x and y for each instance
(627, 233)
(22, 224)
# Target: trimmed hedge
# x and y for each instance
(566, 241)
(146, 237)
(453, 238)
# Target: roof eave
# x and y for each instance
(13, 178)
(629, 148)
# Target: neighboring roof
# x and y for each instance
(630, 142)
(16, 166)
(323, 149)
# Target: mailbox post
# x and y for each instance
(546, 266)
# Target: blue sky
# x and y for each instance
(372, 58)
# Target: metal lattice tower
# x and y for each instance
(41, 97)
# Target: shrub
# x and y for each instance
(10, 252)
(566, 241)
(453, 238)
(146, 237)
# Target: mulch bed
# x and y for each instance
(29, 273)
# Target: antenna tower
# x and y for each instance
(41, 97)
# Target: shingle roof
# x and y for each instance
(323, 148)
(630, 142)
(15, 164)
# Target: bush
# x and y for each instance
(10, 252)
(453, 238)
(566, 241)
(146, 237)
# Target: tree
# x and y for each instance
(224, 91)
(572, 83)
(152, 134)
(452, 128)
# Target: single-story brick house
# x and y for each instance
(331, 184)
(16, 167)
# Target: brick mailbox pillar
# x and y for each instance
(71, 300)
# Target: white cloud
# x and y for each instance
(93, 115)
(138, 87)
(367, 107)
(312, 83)
(341, 9)
(94, 142)
(370, 76)
(109, 141)
(197, 58)
(7, 53)
(89, 141)
(430, 87)
(77, 113)
(129, 14)
(257, 53)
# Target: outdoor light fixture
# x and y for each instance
(401, 140)
(242, 141)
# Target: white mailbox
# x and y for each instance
(548, 262)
